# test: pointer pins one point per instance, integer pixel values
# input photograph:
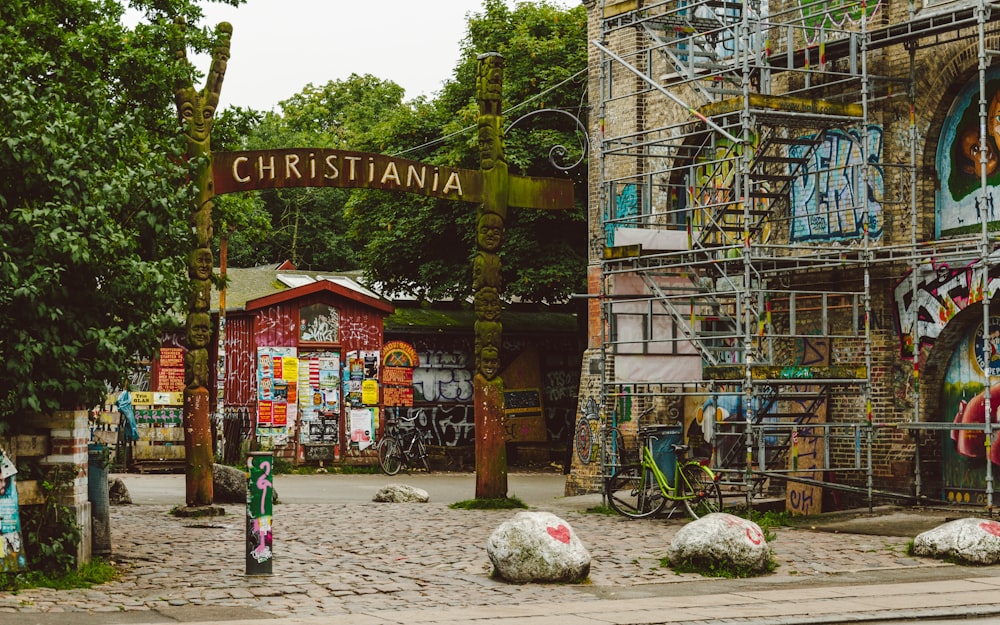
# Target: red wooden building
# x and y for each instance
(300, 364)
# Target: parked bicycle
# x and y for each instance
(402, 447)
(643, 490)
(600, 437)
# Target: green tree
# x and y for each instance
(93, 196)
(424, 246)
(414, 244)
(308, 226)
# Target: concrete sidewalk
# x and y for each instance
(358, 562)
(960, 598)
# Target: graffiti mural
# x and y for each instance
(827, 201)
(624, 212)
(925, 303)
(442, 386)
(966, 452)
(825, 15)
(960, 207)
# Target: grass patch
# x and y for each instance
(503, 503)
(712, 568)
(767, 520)
(601, 509)
(91, 574)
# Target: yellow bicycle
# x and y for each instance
(642, 490)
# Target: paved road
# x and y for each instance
(340, 558)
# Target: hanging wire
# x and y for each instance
(506, 113)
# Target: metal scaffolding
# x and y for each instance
(717, 119)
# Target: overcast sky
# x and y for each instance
(279, 46)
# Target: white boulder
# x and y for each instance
(401, 493)
(976, 541)
(721, 538)
(537, 547)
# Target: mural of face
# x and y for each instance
(993, 119)
(969, 143)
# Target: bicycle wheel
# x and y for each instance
(700, 490)
(614, 448)
(421, 450)
(632, 491)
(389, 456)
(584, 441)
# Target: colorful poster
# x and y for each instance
(319, 396)
(362, 426)
(274, 389)
(12, 557)
(369, 392)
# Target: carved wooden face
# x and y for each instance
(490, 232)
(199, 330)
(196, 114)
(201, 264)
(490, 363)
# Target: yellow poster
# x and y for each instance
(289, 368)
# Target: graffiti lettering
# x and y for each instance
(800, 500)
(358, 332)
(434, 359)
(826, 203)
(442, 385)
(927, 304)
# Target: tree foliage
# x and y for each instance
(93, 196)
(413, 244)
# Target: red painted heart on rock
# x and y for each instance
(560, 533)
(988, 526)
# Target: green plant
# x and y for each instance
(718, 568)
(51, 535)
(503, 503)
(767, 520)
(601, 509)
(90, 574)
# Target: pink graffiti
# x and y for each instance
(753, 532)
(263, 484)
(261, 528)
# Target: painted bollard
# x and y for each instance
(259, 506)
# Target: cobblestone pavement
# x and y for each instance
(346, 558)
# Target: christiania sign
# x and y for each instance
(317, 167)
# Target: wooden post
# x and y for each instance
(491, 446)
(196, 110)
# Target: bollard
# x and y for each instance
(259, 507)
(100, 502)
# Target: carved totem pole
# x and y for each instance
(491, 454)
(196, 110)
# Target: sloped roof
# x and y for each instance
(249, 288)
(418, 320)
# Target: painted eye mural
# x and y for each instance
(959, 207)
